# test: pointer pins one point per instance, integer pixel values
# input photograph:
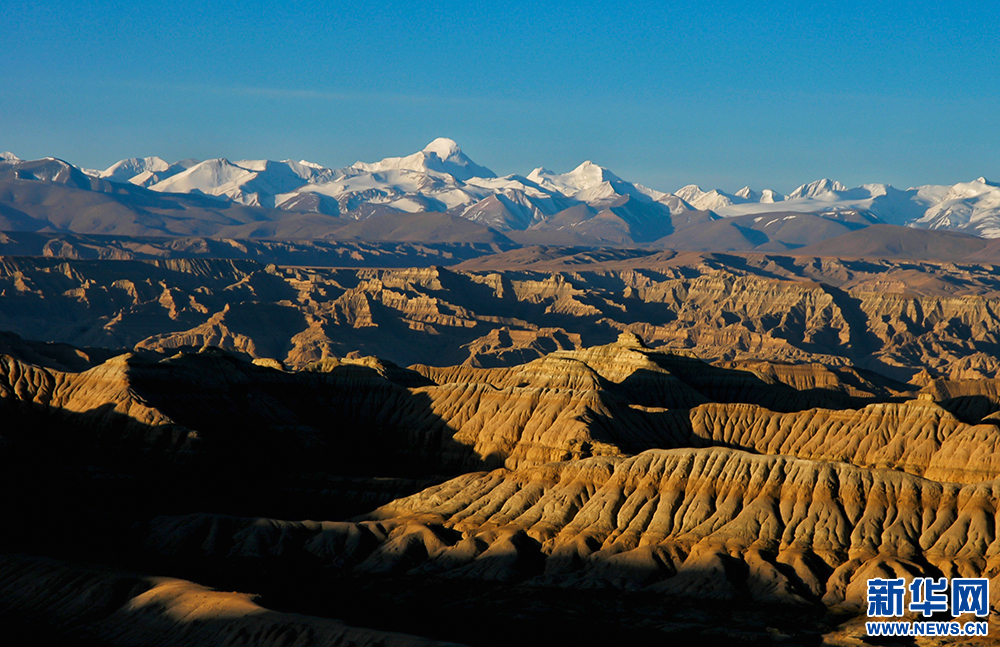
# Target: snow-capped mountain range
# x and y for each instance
(971, 207)
(441, 178)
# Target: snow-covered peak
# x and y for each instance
(710, 200)
(690, 193)
(143, 171)
(875, 190)
(973, 207)
(585, 177)
(590, 172)
(444, 148)
(592, 184)
(509, 183)
(253, 165)
(440, 156)
(206, 177)
(964, 190)
(306, 171)
(977, 191)
(124, 170)
(256, 182)
(817, 188)
(50, 169)
(441, 178)
(767, 196)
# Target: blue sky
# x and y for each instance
(723, 94)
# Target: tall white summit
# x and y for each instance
(440, 156)
(584, 177)
(444, 148)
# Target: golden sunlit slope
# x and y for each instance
(616, 399)
(716, 523)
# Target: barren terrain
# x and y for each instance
(645, 440)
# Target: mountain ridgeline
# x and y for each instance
(440, 195)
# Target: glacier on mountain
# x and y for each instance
(442, 178)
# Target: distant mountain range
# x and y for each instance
(438, 194)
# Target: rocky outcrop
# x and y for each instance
(894, 318)
(714, 523)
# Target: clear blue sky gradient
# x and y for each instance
(724, 94)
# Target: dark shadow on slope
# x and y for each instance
(455, 604)
(973, 409)
(247, 440)
(634, 432)
(727, 385)
(349, 421)
(863, 342)
(53, 355)
(457, 610)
